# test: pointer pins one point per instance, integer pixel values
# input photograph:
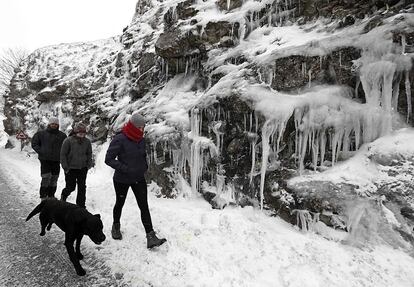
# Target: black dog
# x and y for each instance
(74, 221)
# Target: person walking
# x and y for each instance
(126, 154)
(47, 144)
(76, 159)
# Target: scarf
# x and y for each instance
(132, 132)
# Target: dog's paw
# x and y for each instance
(42, 233)
(80, 272)
(79, 256)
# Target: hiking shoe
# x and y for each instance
(116, 231)
(153, 240)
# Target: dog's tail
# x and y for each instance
(36, 210)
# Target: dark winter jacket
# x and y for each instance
(76, 153)
(47, 144)
(128, 158)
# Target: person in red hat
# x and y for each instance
(126, 154)
(76, 159)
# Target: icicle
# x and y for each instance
(387, 88)
(269, 18)
(298, 114)
(198, 145)
(403, 43)
(221, 179)
(303, 137)
(355, 215)
(242, 29)
(177, 163)
(260, 75)
(256, 123)
(270, 127)
(315, 149)
(372, 79)
(166, 71)
(251, 122)
(304, 219)
(186, 67)
(218, 113)
(347, 135)
(386, 100)
(253, 142)
(357, 130)
(228, 4)
(340, 59)
(154, 152)
(267, 130)
(196, 165)
(174, 13)
(408, 93)
(310, 77)
(358, 82)
(281, 20)
(196, 158)
(395, 92)
(219, 135)
(270, 76)
(322, 140)
(376, 79)
(336, 144)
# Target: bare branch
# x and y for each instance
(10, 59)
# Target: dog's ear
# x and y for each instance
(97, 215)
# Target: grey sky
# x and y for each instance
(33, 24)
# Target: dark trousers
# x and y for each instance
(49, 171)
(140, 192)
(76, 177)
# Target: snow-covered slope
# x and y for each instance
(231, 247)
(65, 81)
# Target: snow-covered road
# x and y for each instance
(240, 247)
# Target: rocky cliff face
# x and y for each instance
(241, 96)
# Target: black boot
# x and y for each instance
(116, 231)
(153, 240)
(63, 197)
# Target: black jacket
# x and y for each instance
(128, 158)
(47, 144)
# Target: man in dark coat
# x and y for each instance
(126, 154)
(76, 159)
(47, 144)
